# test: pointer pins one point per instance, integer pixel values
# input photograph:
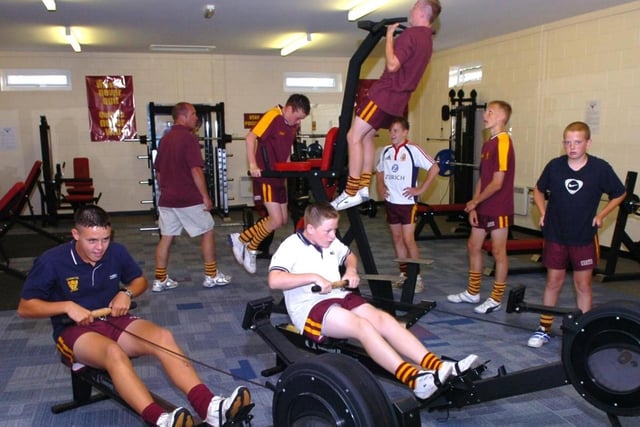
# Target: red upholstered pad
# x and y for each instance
(315, 163)
(79, 198)
(81, 190)
(518, 245)
(10, 198)
(424, 208)
(327, 153)
(292, 167)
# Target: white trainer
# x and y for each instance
(345, 201)
(428, 382)
(237, 246)
(220, 279)
(539, 338)
(180, 417)
(419, 284)
(461, 366)
(160, 285)
(401, 279)
(249, 261)
(222, 410)
(364, 193)
(488, 306)
(464, 297)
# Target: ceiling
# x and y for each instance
(256, 27)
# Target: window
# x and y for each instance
(461, 74)
(312, 82)
(35, 79)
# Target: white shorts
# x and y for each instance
(195, 219)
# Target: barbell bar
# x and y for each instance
(446, 161)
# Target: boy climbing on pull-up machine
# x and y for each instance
(311, 258)
(406, 59)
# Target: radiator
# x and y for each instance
(521, 200)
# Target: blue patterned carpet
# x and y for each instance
(207, 323)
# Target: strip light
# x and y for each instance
(296, 44)
(50, 5)
(364, 8)
(72, 40)
(182, 48)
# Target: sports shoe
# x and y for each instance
(464, 297)
(419, 284)
(237, 246)
(223, 410)
(488, 306)
(345, 201)
(220, 279)
(428, 382)
(539, 338)
(462, 366)
(401, 279)
(160, 285)
(249, 261)
(180, 417)
(364, 193)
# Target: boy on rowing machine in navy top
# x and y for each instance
(85, 274)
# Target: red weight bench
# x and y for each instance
(518, 247)
(8, 204)
(322, 164)
(427, 214)
(80, 189)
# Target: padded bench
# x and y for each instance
(85, 378)
(427, 214)
(517, 247)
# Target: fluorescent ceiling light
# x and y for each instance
(184, 48)
(72, 40)
(364, 8)
(296, 44)
(50, 5)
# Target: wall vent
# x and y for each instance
(521, 200)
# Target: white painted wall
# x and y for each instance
(547, 73)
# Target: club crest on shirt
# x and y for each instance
(72, 283)
(573, 185)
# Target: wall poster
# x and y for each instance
(111, 108)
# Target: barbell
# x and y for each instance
(446, 161)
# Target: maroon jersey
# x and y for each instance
(178, 152)
(413, 48)
(497, 156)
(275, 139)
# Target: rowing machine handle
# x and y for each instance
(99, 312)
(334, 285)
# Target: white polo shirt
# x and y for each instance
(298, 255)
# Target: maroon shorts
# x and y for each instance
(269, 191)
(400, 214)
(372, 114)
(317, 313)
(580, 257)
(490, 223)
(111, 328)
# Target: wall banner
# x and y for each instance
(111, 108)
